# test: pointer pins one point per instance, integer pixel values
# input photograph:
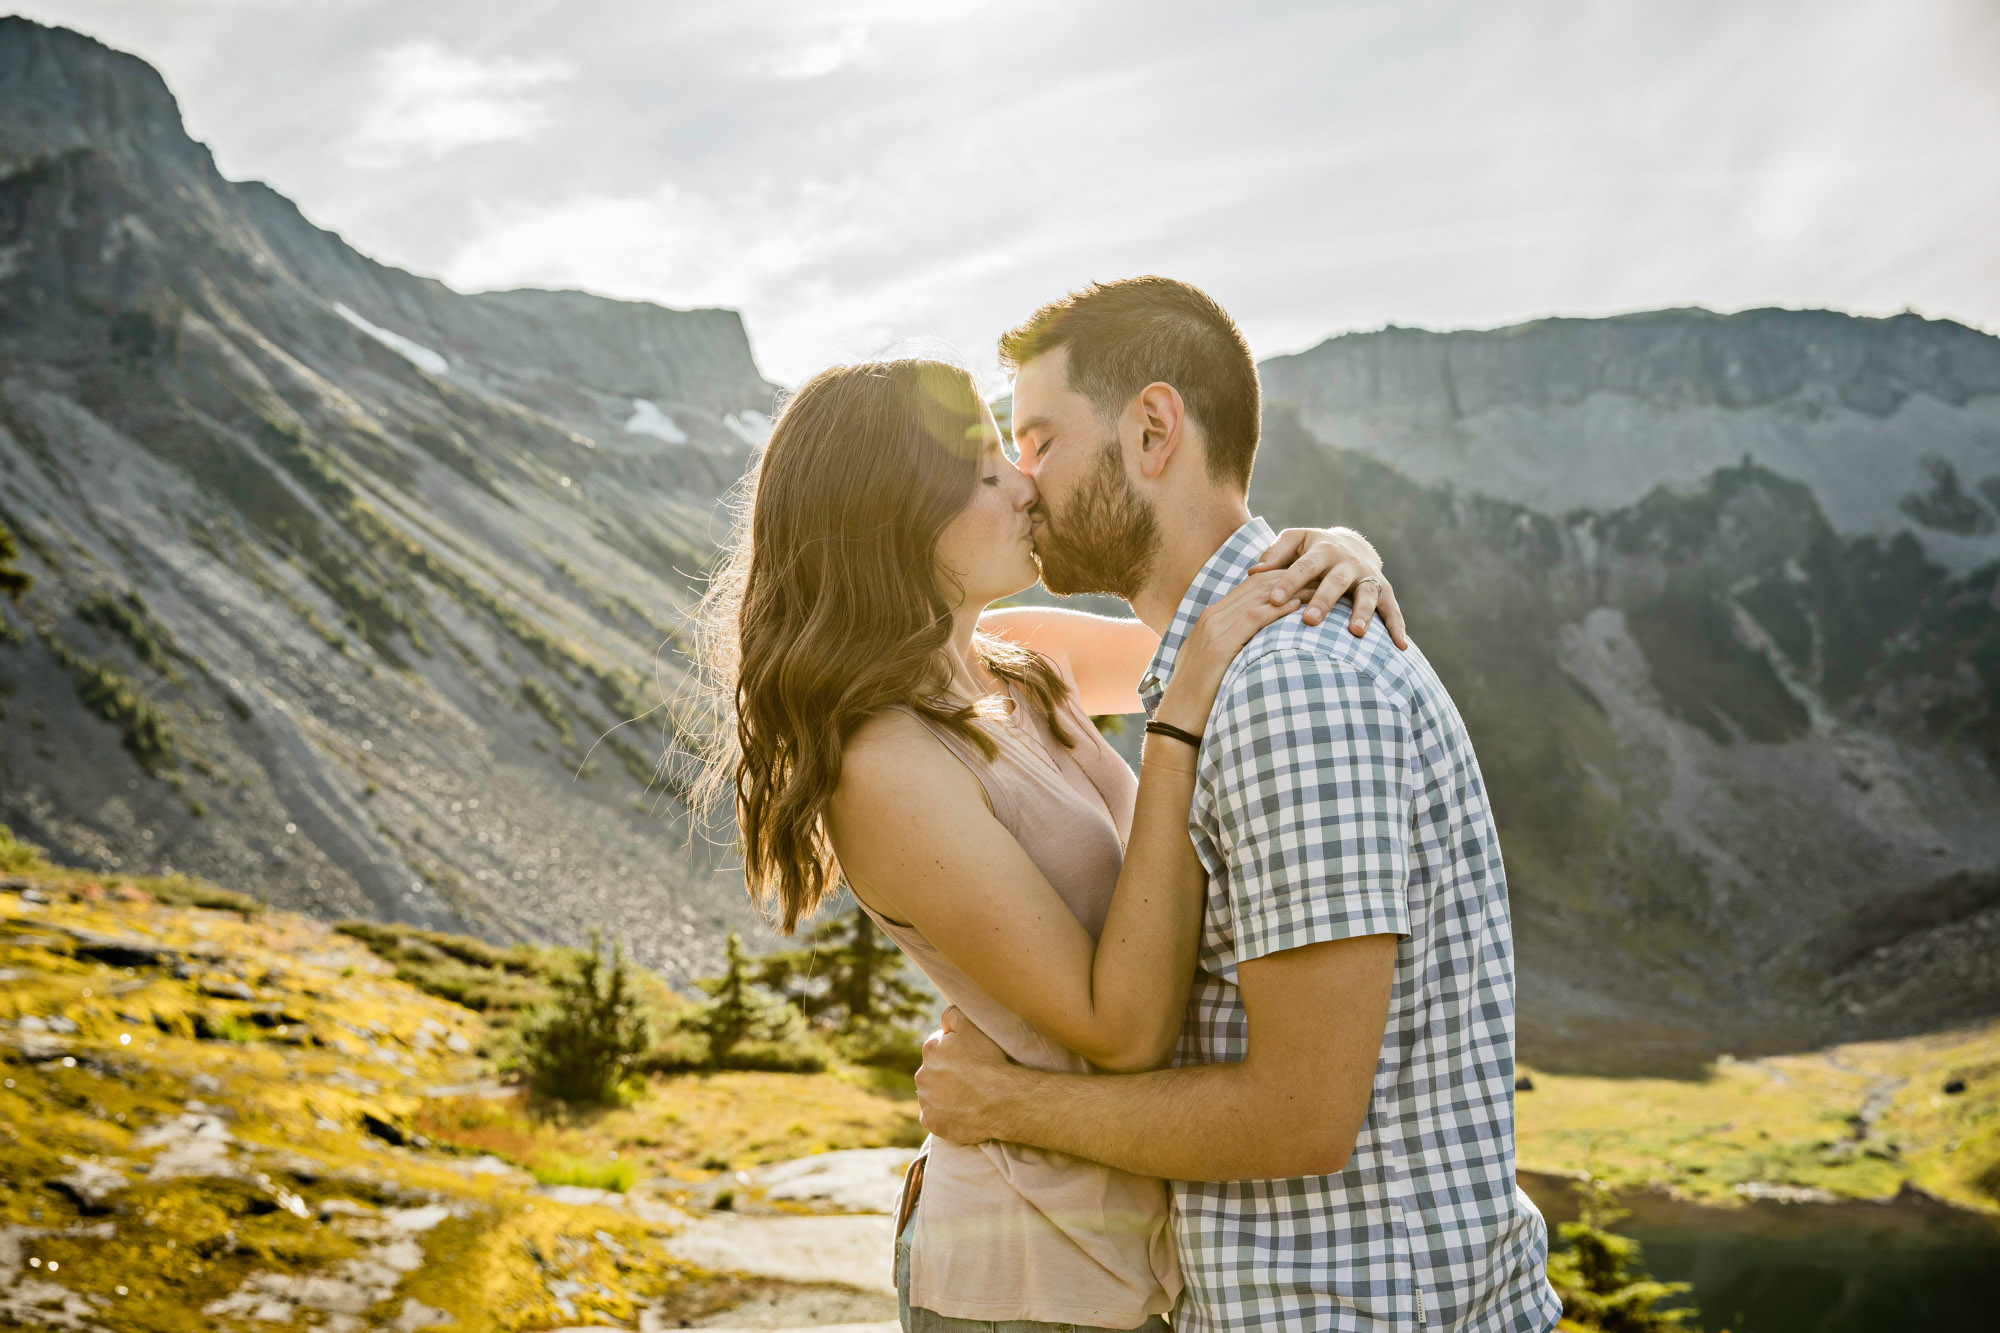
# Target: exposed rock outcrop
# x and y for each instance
(340, 575)
(1893, 424)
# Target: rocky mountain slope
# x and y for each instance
(340, 574)
(1717, 597)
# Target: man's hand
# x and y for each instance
(963, 1075)
(1333, 563)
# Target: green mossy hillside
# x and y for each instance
(214, 1117)
(1865, 1120)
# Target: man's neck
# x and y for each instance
(1186, 546)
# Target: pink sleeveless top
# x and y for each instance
(1005, 1231)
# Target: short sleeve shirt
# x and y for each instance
(1338, 796)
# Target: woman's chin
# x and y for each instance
(1029, 577)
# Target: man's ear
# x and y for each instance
(1162, 420)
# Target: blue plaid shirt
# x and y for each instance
(1338, 796)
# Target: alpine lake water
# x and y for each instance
(1908, 1263)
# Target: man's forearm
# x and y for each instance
(1204, 1122)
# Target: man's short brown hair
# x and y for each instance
(1125, 335)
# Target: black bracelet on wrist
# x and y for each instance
(1168, 729)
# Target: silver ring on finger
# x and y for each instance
(1370, 579)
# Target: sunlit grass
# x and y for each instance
(562, 1169)
(688, 1125)
(1791, 1120)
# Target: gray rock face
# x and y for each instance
(344, 581)
(1680, 358)
(1893, 423)
(1742, 752)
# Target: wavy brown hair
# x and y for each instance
(830, 606)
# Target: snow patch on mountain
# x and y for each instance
(648, 419)
(418, 355)
(753, 428)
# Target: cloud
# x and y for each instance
(427, 101)
(849, 173)
(675, 245)
(817, 59)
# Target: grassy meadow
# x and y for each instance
(216, 1116)
(1859, 1121)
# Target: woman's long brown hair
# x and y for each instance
(830, 605)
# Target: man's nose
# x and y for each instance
(1028, 494)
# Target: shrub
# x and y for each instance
(129, 618)
(112, 696)
(545, 702)
(882, 1046)
(14, 581)
(796, 1054)
(188, 891)
(1595, 1278)
(16, 855)
(678, 1052)
(591, 1034)
(494, 981)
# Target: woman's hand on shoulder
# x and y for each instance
(1222, 630)
(1338, 560)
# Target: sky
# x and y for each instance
(855, 175)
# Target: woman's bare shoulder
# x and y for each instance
(889, 734)
(897, 782)
(892, 755)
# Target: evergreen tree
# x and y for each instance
(588, 1038)
(1596, 1278)
(738, 1010)
(850, 978)
(865, 979)
(793, 975)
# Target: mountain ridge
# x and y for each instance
(1762, 354)
(1894, 423)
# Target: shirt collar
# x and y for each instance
(1224, 570)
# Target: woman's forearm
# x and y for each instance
(1144, 963)
(1141, 966)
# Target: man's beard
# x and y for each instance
(1106, 537)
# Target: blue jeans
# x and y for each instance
(918, 1320)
